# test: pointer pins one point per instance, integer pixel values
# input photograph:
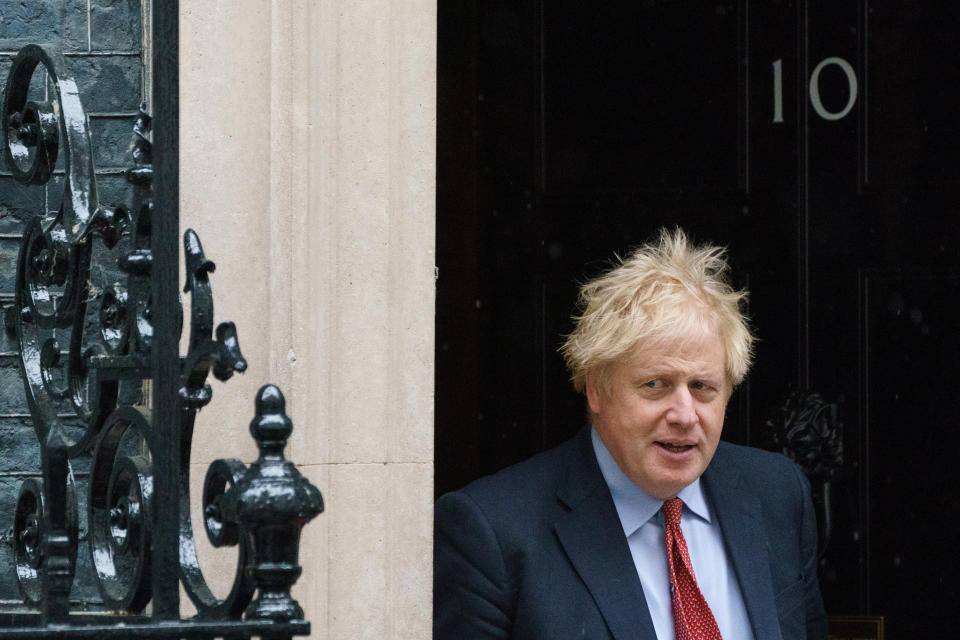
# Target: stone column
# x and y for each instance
(308, 163)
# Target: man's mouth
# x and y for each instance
(674, 448)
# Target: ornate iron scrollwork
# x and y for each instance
(807, 430)
(105, 380)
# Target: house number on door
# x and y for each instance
(815, 101)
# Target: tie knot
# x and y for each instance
(672, 509)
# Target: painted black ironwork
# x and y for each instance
(135, 397)
(807, 430)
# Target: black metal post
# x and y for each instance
(165, 437)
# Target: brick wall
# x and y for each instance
(104, 44)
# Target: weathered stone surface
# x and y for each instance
(111, 141)
(54, 190)
(8, 341)
(61, 22)
(346, 140)
(9, 487)
(21, 449)
(115, 190)
(17, 203)
(12, 400)
(115, 25)
(108, 83)
(8, 268)
(112, 190)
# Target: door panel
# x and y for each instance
(911, 336)
(811, 137)
(625, 110)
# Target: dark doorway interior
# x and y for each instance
(812, 138)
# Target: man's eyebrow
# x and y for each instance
(643, 371)
(649, 373)
(714, 377)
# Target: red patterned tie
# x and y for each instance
(692, 618)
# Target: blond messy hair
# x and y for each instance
(664, 293)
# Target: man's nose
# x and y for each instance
(682, 412)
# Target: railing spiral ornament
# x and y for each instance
(103, 381)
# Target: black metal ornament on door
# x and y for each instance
(106, 378)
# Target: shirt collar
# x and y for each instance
(634, 505)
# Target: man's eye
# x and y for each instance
(653, 384)
(699, 386)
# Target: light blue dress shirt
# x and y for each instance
(642, 523)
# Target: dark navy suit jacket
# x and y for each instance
(537, 550)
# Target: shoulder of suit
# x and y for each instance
(753, 455)
(757, 463)
(532, 475)
(527, 489)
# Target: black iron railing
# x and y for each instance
(134, 397)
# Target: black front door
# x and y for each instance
(814, 139)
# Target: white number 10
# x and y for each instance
(815, 101)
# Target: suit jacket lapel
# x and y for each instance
(739, 515)
(592, 537)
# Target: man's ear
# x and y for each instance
(594, 394)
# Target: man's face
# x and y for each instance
(662, 414)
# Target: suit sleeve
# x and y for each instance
(816, 615)
(471, 590)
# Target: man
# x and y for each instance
(644, 525)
